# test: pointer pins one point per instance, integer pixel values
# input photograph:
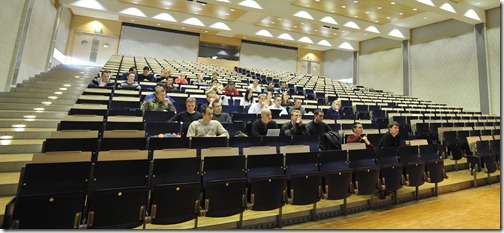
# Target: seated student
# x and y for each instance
(260, 127)
(215, 75)
(392, 137)
(211, 96)
(199, 79)
(248, 99)
(317, 127)
(276, 105)
(206, 127)
(103, 81)
(218, 115)
(259, 106)
(159, 102)
(130, 83)
(181, 79)
(132, 69)
(269, 98)
(283, 87)
(169, 86)
(358, 135)
(269, 88)
(230, 89)
(164, 75)
(146, 75)
(295, 126)
(255, 86)
(150, 96)
(334, 109)
(297, 106)
(190, 114)
(215, 86)
(286, 102)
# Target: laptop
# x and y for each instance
(273, 132)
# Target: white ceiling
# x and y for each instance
(351, 30)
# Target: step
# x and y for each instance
(35, 100)
(21, 146)
(38, 90)
(39, 95)
(9, 183)
(14, 162)
(28, 133)
(33, 115)
(27, 106)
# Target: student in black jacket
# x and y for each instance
(392, 137)
(260, 127)
(190, 114)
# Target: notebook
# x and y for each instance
(273, 132)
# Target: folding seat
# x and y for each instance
(224, 184)
(124, 123)
(434, 165)
(175, 190)
(125, 105)
(304, 180)
(311, 141)
(156, 128)
(374, 139)
(391, 171)
(118, 197)
(267, 183)
(233, 128)
(70, 144)
(336, 176)
(57, 191)
(157, 116)
(200, 143)
(413, 167)
(242, 142)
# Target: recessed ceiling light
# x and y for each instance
(279, 18)
(335, 33)
(376, 21)
(135, 2)
(199, 9)
(393, 3)
(424, 17)
(355, 16)
(343, 6)
(355, 1)
(272, 22)
(379, 8)
(367, 12)
(415, 9)
(365, 34)
(388, 17)
(132, 20)
(400, 13)
(478, 3)
(307, 5)
(158, 24)
(316, 30)
(6, 137)
(206, 31)
(333, 11)
(232, 9)
(302, 23)
(227, 14)
(295, 26)
(317, 0)
(183, 27)
(167, 8)
(168, 3)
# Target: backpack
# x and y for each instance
(330, 141)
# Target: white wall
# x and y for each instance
(445, 71)
(493, 41)
(10, 16)
(382, 70)
(338, 64)
(160, 44)
(38, 40)
(267, 57)
(62, 36)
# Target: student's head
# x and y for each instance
(278, 100)
(393, 128)
(215, 75)
(190, 104)
(132, 70)
(297, 103)
(199, 76)
(255, 82)
(270, 85)
(105, 75)
(269, 95)
(165, 73)
(249, 94)
(131, 78)
(357, 128)
(146, 70)
(283, 84)
(265, 115)
(169, 80)
(160, 92)
(285, 96)
(182, 76)
(295, 114)
(217, 107)
(261, 98)
(207, 112)
(318, 116)
(211, 95)
(336, 104)
(215, 82)
(230, 85)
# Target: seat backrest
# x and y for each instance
(294, 149)
(70, 144)
(122, 155)
(123, 133)
(223, 167)
(408, 154)
(75, 134)
(333, 160)
(353, 146)
(386, 155)
(361, 158)
(62, 157)
(259, 150)
(120, 174)
(219, 151)
(301, 163)
(265, 165)
(137, 143)
(176, 170)
(204, 142)
(174, 153)
(168, 143)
